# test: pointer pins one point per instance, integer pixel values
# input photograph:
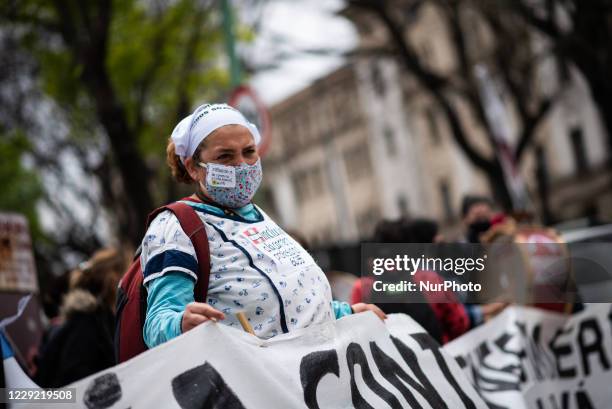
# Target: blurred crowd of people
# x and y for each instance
(80, 306)
(444, 316)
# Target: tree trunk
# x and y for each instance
(546, 214)
(498, 186)
(132, 168)
(90, 51)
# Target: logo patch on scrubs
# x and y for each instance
(278, 245)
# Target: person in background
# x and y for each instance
(442, 315)
(476, 214)
(82, 343)
(478, 217)
(54, 291)
(52, 294)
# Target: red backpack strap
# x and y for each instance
(194, 229)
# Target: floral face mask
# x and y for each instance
(232, 186)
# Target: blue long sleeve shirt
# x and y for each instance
(166, 300)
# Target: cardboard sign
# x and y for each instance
(17, 268)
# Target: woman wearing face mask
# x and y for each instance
(279, 288)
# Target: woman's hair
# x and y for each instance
(100, 275)
(389, 231)
(420, 231)
(406, 231)
(176, 166)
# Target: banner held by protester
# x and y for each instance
(356, 361)
(530, 358)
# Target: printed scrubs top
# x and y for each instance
(256, 268)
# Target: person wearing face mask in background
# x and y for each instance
(439, 313)
(477, 216)
(256, 268)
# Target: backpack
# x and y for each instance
(132, 295)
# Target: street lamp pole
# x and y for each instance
(230, 44)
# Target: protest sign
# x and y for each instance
(17, 269)
(530, 358)
(18, 278)
(357, 361)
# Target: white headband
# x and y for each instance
(194, 128)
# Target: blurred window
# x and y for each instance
(445, 196)
(426, 53)
(309, 183)
(342, 108)
(389, 141)
(580, 157)
(377, 80)
(296, 131)
(357, 161)
(402, 205)
(366, 221)
(432, 123)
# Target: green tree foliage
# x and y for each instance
(21, 187)
(116, 77)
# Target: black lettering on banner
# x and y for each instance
(591, 325)
(203, 387)
(426, 342)
(580, 398)
(461, 361)
(565, 400)
(528, 352)
(532, 353)
(479, 378)
(482, 382)
(486, 383)
(542, 362)
(512, 369)
(356, 356)
(312, 368)
(393, 372)
(103, 391)
(559, 351)
(553, 402)
(583, 401)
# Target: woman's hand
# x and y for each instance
(489, 311)
(362, 307)
(197, 313)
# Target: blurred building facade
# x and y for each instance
(574, 153)
(347, 154)
(365, 143)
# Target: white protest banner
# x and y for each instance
(530, 358)
(357, 361)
